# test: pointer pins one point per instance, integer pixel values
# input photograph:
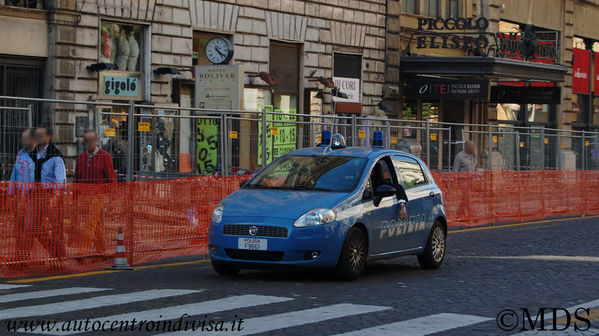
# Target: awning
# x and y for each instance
(491, 67)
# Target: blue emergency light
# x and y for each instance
(377, 139)
(325, 138)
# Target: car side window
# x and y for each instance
(380, 174)
(410, 171)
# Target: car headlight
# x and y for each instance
(315, 217)
(217, 213)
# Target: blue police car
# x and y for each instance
(333, 207)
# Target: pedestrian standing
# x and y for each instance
(465, 161)
(94, 165)
(50, 174)
(23, 178)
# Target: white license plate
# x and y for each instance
(252, 244)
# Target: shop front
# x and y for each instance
(504, 79)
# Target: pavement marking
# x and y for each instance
(95, 302)
(541, 258)
(77, 275)
(421, 326)
(176, 312)
(262, 324)
(3, 286)
(48, 293)
(522, 224)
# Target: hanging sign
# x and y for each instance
(580, 70)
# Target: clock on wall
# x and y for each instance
(219, 50)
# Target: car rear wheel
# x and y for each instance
(352, 261)
(224, 268)
(434, 252)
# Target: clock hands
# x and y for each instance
(218, 51)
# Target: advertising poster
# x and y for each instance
(217, 87)
(281, 136)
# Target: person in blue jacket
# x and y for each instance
(50, 173)
(23, 172)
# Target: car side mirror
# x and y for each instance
(382, 191)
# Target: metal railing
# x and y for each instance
(172, 141)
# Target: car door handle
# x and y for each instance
(432, 194)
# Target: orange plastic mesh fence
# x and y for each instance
(74, 228)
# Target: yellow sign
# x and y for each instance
(361, 134)
(546, 140)
(110, 132)
(433, 136)
(393, 140)
(233, 134)
(563, 146)
(495, 138)
(521, 144)
(143, 126)
(274, 131)
(319, 139)
(586, 143)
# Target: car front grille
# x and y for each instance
(262, 230)
(255, 255)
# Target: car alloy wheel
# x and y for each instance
(438, 244)
(357, 255)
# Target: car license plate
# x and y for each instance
(252, 244)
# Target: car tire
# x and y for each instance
(352, 261)
(434, 252)
(224, 268)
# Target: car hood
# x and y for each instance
(288, 204)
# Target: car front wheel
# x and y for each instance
(224, 268)
(352, 261)
(434, 252)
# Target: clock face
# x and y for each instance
(219, 50)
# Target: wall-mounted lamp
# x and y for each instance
(327, 83)
(265, 76)
(166, 71)
(336, 93)
(97, 67)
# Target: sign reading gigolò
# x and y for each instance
(217, 87)
(283, 140)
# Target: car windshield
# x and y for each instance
(324, 173)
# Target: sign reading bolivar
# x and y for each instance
(217, 87)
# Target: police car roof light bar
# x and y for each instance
(377, 139)
(325, 138)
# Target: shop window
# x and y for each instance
(430, 111)
(453, 8)
(538, 113)
(123, 45)
(431, 8)
(410, 6)
(595, 115)
(580, 103)
(508, 112)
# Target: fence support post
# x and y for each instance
(131, 138)
(264, 129)
(223, 145)
(490, 150)
(354, 136)
(518, 150)
(542, 148)
(449, 150)
(388, 135)
(583, 151)
(30, 115)
(428, 142)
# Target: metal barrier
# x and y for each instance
(163, 142)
